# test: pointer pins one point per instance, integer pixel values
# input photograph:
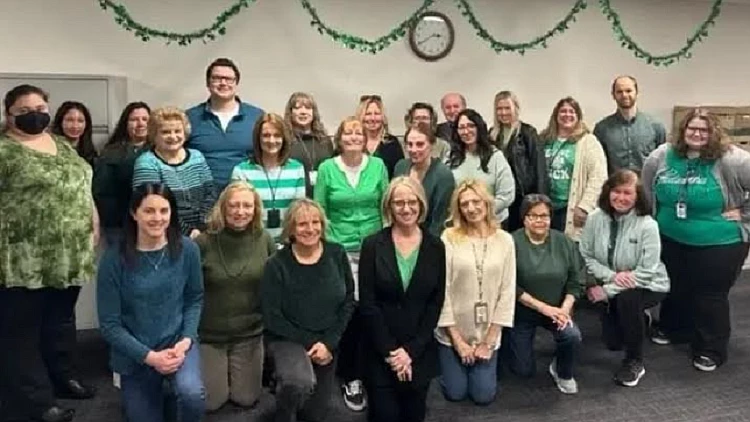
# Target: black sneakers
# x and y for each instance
(354, 396)
(704, 363)
(630, 373)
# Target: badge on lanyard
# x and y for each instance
(274, 218)
(481, 313)
(680, 210)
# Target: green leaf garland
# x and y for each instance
(685, 52)
(355, 42)
(520, 48)
(218, 28)
(145, 33)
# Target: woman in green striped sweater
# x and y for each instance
(278, 179)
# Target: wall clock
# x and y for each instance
(431, 36)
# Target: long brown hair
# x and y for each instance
(718, 141)
(550, 132)
(317, 129)
(276, 121)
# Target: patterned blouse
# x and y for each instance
(45, 217)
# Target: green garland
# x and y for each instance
(520, 48)
(145, 33)
(218, 28)
(355, 42)
(626, 40)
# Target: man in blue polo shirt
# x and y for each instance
(222, 126)
(628, 136)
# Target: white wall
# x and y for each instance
(279, 53)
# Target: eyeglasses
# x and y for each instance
(401, 203)
(700, 130)
(538, 217)
(371, 97)
(225, 79)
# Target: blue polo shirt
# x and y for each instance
(222, 149)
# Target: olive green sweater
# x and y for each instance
(232, 263)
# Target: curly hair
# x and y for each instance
(718, 141)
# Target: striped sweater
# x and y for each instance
(190, 181)
(277, 187)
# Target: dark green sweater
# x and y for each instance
(232, 265)
(547, 272)
(306, 304)
(438, 184)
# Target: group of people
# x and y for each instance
(242, 249)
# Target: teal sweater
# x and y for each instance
(438, 184)
(306, 304)
(147, 309)
(637, 248)
(353, 213)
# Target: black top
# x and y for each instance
(396, 318)
(390, 151)
(113, 183)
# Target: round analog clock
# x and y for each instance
(431, 36)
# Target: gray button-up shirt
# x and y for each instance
(628, 143)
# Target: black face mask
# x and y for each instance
(33, 122)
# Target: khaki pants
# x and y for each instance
(232, 372)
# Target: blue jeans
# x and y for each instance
(143, 391)
(478, 382)
(521, 346)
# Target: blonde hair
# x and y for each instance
(458, 226)
(298, 207)
(316, 127)
(362, 109)
(166, 114)
(415, 187)
(351, 120)
(503, 95)
(216, 220)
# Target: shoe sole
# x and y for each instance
(635, 381)
(660, 341)
(704, 368)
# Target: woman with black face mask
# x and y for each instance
(48, 228)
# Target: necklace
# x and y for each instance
(158, 262)
(224, 262)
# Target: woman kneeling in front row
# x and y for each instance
(307, 294)
(480, 296)
(547, 284)
(620, 244)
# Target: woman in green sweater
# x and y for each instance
(547, 285)
(234, 250)
(350, 187)
(303, 339)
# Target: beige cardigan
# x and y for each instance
(462, 286)
(589, 174)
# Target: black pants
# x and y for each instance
(514, 220)
(696, 309)
(402, 402)
(38, 338)
(350, 366)
(303, 388)
(623, 320)
(558, 219)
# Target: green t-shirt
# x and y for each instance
(561, 156)
(406, 266)
(704, 203)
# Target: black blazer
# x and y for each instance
(397, 318)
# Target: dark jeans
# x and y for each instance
(303, 388)
(399, 402)
(521, 346)
(143, 396)
(349, 362)
(696, 309)
(458, 381)
(38, 339)
(558, 219)
(623, 321)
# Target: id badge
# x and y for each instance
(313, 177)
(681, 210)
(481, 313)
(274, 218)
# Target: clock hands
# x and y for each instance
(424, 40)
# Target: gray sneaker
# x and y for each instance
(569, 386)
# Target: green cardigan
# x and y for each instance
(353, 213)
(438, 184)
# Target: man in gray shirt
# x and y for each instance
(628, 136)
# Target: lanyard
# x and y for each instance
(691, 172)
(311, 158)
(274, 188)
(479, 265)
(552, 158)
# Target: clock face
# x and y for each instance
(431, 38)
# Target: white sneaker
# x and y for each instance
(354, 396)
(569, 386)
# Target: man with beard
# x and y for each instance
(628, 135)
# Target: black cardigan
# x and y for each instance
(396, 318)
